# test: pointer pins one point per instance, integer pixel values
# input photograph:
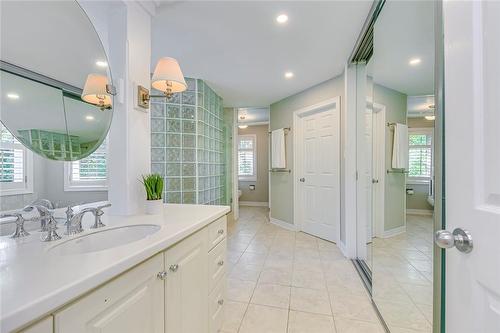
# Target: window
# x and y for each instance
(420, 153)
(16, 165)
(88, 174)
(247, 157)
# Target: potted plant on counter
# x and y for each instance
(153, 185)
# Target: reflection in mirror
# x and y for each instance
(403, 88)
(57, 103)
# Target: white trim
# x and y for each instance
(348, 166)
(297, 130)
(254, 203)
(28, 174)
(394, 232)
(81, 186)
(423, 212)
(236, 198)
(283, 224)
(379, 168)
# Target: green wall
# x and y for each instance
(395, 185)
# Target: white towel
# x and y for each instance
(278, 159)
(400, 147)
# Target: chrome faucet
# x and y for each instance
(51, 230)
(98, 213)
(74, 225)
(20, 232)
(44, 212)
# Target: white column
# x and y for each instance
(125, 28)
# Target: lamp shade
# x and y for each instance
(168, 76)
(95, 91)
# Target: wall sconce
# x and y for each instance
(98, 92)
(167, 78)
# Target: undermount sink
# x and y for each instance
(105, 239)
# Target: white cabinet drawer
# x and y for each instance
(216, 264)
(216, 307)
(217, 232)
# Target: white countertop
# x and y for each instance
(35, 282)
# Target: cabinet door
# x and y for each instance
(187, 285)
(131, 303)
(43, 326)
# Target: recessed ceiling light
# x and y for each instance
(89, 117)
(13, 96)
(414, 61)
(101, 63)
(282, 18)
(242, 126)
(432, 117)
(288, 75)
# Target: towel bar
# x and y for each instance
(287, 129)
(397, 171)
(280, 170)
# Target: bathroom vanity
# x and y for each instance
(170, 278)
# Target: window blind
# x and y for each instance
(11, 158)
(420, 154)
(91, 168)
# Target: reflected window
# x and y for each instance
(420, 151)
(16, 165)
(247, 154)
(89, 173)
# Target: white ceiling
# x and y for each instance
(404, 30)
(242, 53)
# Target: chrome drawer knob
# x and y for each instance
(161, 275)
(221, 301)
(220, 263)
(221, 232)
(174, 268)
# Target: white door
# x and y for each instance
(472, 159)
(186, 291)
(316, 157)
(131, 303)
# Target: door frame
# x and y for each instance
(297, 161)
(379, 126)
(236, 199)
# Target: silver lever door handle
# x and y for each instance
(460, 238)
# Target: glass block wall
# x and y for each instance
(187, 145)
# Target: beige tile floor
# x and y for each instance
(284, 281)
(402, 276)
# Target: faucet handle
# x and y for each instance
(51, 231)
(97, 215)
(20, 232)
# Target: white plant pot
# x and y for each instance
(154, 207)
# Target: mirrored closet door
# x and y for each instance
(395, 163)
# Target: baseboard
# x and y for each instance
(425, 212)
(394, 232)
(283, 224)
(254, 203)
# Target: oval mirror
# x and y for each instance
(55, 83)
